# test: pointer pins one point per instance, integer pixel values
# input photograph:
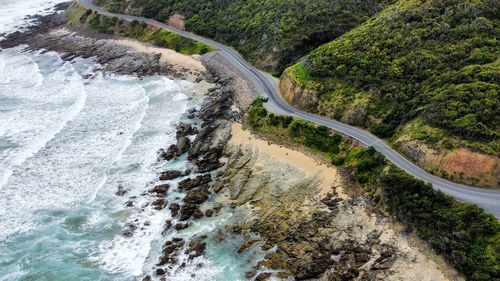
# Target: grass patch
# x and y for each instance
(299, 73)
(441, 139)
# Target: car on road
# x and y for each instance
(265, 99)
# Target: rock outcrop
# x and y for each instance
(297, 95)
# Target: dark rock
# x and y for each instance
(362, 258)
(197, 215)
(168, 225)
(159, 204)
(174, 209)
(184, 130)
(373, 235)
(181, 226)
(183, 145)
(224, 80)
(177, 239)
(160, 272)
(187, 211)
(171, 153)
(209, 213)
(207, 149)
(170, 175)
(263, 276)
(121, 191)
(331, 201)
(147, 278)
(247, 245)
(196, 248)
(160, 189)
(189, 184)
(250, 274)
(197, 196)
(283, 275)
(129, 232)
(170, 252)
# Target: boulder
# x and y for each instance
(183, 145)
(168, 225)
(159, 204)
(197, 196)
(171, 152)
(174, 209)
(170, 175)
(263, 276)
(181, 226)
(187, 211)
(198, 214)
(196, 248)
(184, 130)
(160, 189)
(209, 213)
(189, 184)
(160, 272)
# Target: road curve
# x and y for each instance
(485, 198)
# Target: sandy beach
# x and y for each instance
(329, 176)
(167, 55)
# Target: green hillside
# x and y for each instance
(272, 34)
(420, 73)
(434, 59)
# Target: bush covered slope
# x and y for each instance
(272, 33)
(435, 62)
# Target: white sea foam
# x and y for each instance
(70, 167)
(66, 144)
(136, 171)
(66, 158)
(34, 108)
(14, 12)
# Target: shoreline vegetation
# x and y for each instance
(463, 233)
(270, 34)
(78, 15)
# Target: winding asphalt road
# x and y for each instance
(487, 199)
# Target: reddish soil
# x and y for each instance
(177, 20)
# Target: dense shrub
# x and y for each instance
(467, 236)
(437, 60)
(143, 32)
(272, 33)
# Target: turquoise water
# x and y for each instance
(70, 143)
(67, 145)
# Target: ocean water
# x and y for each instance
(70, 138)
(14, 12)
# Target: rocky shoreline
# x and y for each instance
(285, 225)
(51, 33)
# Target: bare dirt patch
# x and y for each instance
(177, 20)
(472, 164)
(329, 176)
